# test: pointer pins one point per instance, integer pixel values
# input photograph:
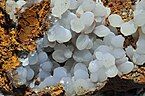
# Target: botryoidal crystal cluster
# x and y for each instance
(84, 47)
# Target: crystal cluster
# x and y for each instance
(84, 47)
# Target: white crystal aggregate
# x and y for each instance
(80, 50)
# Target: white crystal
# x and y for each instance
(42, 75)
(121, 60)
(68, 53)
(59, 33)
(42, 57)
(115, 20)
(59, 72)
(99, 55)
(104, 49)
(73, 4)
(138, 59)
(81, 74)
(22, 73)
(100, 10)
(77, 25)
(49, 81)
(94, 77)
(102, 31)
(87, 18)
(82, 56)
(118, 41)
(80, 66)
(68, 85)
(95, 65)
(47, 66)
(33, 58)
(88, 5)
(126, 67)
(58, 56)
(60, 6)
(118, 53)
(112, 71)
(128, 28)
(66, 19)
(103, 75)
(107, 39)
(130, 51)
(96, 44)
(25, 62)
(140, 45)
(82, 41)
(143, 28)
(30, 74)
(79, 11)
(20, 3)
(109, 60)
(139, 17)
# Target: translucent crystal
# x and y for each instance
(80, 66)
(88, 5)
(138, 59)
(87, 18)
(140, 46)
(33, 58)
(58, 56)
(82, 56)
(20, 3)
(99, 10)
(104, 49)
(66, 19)
(103, 75)
(83, 41)
(68, 85)
(128, 28)
(109, 60)
(107, 39)
(81, 74)
(139, 17)
(47, 66)
(143, 28)
(22, 74)
(94, 77)
(126, 67)
(115, 20)
(95, 65)
(118, 53)
(59, 72)
(49, 81)
(77, 25)
(59, 33)
(60, 6)
(121, 60)
(112, 71)
(130, 51)
(118, 41)
(102, 31)
(42, 75)
(42, 57)
(30, 73)
(73, 4)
